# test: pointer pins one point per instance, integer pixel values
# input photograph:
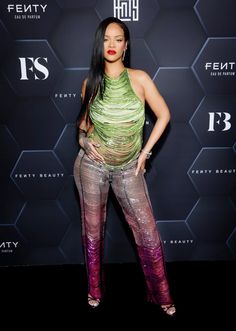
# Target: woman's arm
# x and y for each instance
(82, 125)
(86, 143)
(159, 107)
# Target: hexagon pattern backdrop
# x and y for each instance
(189, 49)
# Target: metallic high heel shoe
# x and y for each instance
(169, 309)
(93, 302)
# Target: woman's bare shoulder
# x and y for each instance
(138, 74)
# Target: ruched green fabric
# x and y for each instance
(118, 120)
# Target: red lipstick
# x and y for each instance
(111, 52)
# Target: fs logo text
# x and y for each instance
(219, 120)
(126, 10)
(34, 65)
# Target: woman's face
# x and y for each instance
(114, 43)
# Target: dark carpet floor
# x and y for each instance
(50, 296)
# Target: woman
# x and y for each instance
(110, 127)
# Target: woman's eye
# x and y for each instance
(119, 40)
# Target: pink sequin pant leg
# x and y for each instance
(93, 181)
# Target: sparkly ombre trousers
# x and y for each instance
(93, 181)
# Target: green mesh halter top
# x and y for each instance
(118, 121)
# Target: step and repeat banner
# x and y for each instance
(189, 49)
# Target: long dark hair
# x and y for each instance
(95, 81)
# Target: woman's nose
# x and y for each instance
(111, 44)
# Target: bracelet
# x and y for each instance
(148, 154)
(82, 133)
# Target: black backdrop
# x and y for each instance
(189, 49)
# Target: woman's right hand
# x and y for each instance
(89, 147)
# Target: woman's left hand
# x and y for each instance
(141, 163)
